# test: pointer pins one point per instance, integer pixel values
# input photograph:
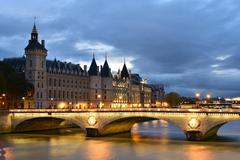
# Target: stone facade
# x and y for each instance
(65, 85)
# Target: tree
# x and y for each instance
(13, 85)
(172, 98)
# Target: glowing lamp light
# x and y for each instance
(197, 95)
(194, 123)
(92, 121)
(99, 96)
(208, 96)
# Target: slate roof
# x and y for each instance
(93, 70)
(124, 72)
(52, 66)
(106, 71)
(63, 67)
(33, 43)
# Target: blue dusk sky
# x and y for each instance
(188, 45)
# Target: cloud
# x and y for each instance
(93, 47)
(188, 45)
(222, 58)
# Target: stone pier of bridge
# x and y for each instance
(197, 124)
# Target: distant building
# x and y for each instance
(157, 94)
(65, 85)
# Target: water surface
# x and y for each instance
(149, 141)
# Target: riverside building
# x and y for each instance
(60, 84)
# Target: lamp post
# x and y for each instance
(23, 98)
(4, 99)
(208, 96)
(70, 105)
(120, 100)
(99, 100)
(51, 103)
(197, 95)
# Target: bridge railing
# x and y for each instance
(228, 110)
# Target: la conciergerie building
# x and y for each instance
(66, 85)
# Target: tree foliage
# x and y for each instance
(172, 98)
(13, 84)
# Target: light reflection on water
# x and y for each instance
(149, 140)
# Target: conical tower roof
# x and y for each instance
(124, 72)
(106, 72)
(93, 70)
(33, 42)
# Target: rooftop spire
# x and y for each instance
(93, 70)
(105, 56)
(124, 72)
(106, 71)
(34, 34)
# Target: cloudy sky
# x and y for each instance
(188, 45)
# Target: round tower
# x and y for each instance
(35, 69)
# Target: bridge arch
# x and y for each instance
(214, 129)
(124, 124)
(43, 123)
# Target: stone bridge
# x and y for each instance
(197, 124)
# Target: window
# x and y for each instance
(63, 95)
(54, 83)
(59, 94)
(50, 94)
(72, 95)
(30, 63)
(42, 64)
(50, 82)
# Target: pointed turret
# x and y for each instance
(33, 43)
(93, 70)
(124, 72)
(106, 71)
(34, 34)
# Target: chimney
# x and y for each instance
(43, 43)
(85, 68)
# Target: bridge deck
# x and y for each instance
(172, 110)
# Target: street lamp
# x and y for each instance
(99, 97)
(197, 95)
(120, 100)
(23, 98)
(208, 96)
(4, 99)
(51, 103)
(70, 105)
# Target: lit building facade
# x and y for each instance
(65, 85)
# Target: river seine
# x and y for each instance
(152, 140)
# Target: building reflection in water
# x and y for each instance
(97, 149)
(199, 152)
